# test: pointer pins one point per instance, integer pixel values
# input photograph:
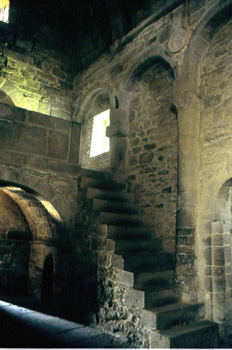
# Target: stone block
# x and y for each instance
(201, 45)
(12, 113)
(185, 231)
(20, 138)
(48, 122)
(219, 284)
(58, 113)
(218, 256)
(17, 56)
(123, 98)
(207, 241)
(126, 279)
(217, 239)
(149, 319)
(218, 271)
(44, 108)
(58, 145)
(117, 261)
(185, 218)
(164, 35)
(185, 259)
(118, 116)
(227, 255)
(135, 298)
(188, 198)
(117, 129)
(110, 245)
(208, 255)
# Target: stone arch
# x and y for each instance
(86, 101)
(149, 113)
(14, 94)
(37, 228)
(26, 234)
(4, 98)
(145, 61)
(199, 41)
(36, 215)
(220, 287)
(99, 100)
(19, 178)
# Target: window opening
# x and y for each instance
(4, 10)
(100, 142)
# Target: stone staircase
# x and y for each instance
(150, 270)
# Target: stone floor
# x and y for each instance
(24, 328)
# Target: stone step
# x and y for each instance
(117, 261)
(164, 295)
(128, 232)
(125, 278)
(120, 219)
(134, 246)
(113, 207)
(160, 278)
(173, 315)
(146, 262)
(110, 195)
(95, 173)
(134, 297)
(199, 335)
(101, 183)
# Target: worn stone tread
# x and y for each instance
(191, 328)
(174, 307)
(124, 197)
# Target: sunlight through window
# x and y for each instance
(4, 10)
(100, 142)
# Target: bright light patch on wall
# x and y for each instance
(100, 142)
(4, 10)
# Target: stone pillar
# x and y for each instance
(118, 130)
(188, 125)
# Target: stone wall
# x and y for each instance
(215, 171)
(143, 86)
(39, 154)
(178, 114)
(14, 262)
(36, 81)
(170, 78)
(152, 151)
(52, 137)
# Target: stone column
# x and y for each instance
(188, 174)
(118, 130)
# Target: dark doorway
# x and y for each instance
(47, 281)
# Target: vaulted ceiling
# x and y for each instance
(80, 29)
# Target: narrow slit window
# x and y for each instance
(4, 10)
(100, 142)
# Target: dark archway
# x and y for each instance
(47, 280)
